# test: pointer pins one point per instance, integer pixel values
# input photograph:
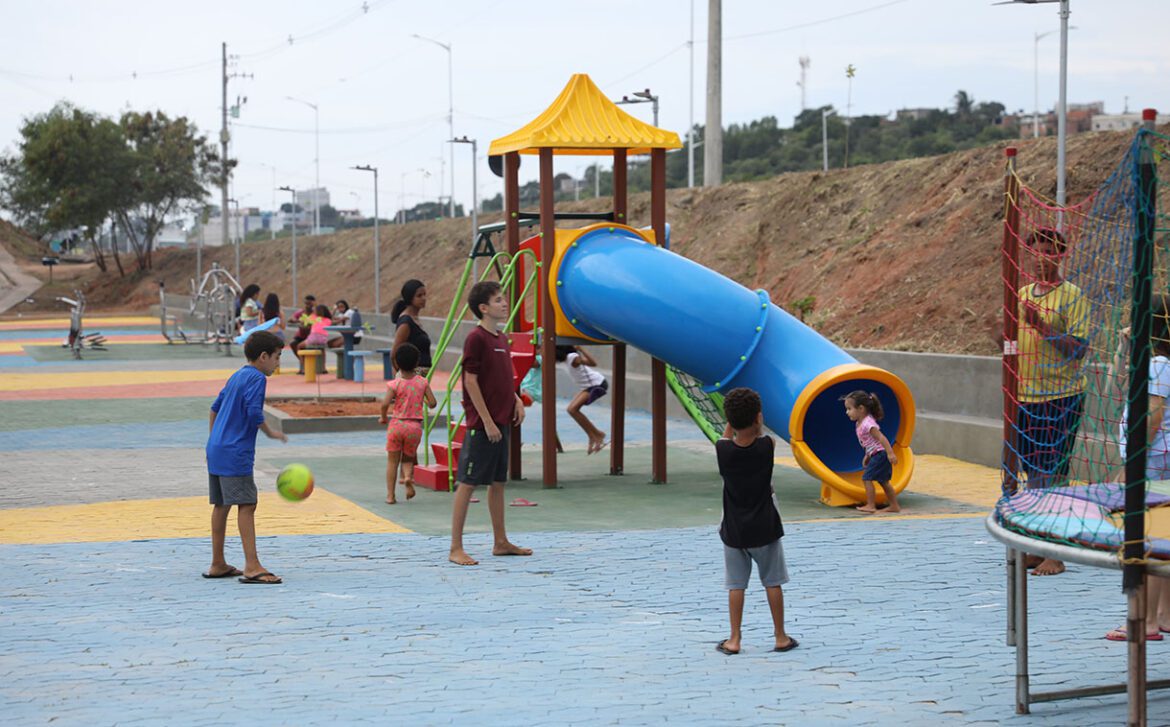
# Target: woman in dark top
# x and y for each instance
(405, 316)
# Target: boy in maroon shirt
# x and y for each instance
(492, 406)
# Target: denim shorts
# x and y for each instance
(768, 558)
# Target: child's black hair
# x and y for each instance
(406, 357)
(249, 292)
(323, 311)
(271, 307)
(563, 352)
(869, 401)
(481, 294)
(343, 303)
(741, 406)
(261, 342)
(1047, 234)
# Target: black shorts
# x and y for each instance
(596, 392)
(482, 461)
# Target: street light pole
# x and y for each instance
(293, 192)
(642, 97)
(316, 162)
(450, 107)
(377, 241)
(474, 192)
(825, 114)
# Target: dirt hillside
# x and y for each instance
(902, 255)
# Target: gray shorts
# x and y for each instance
(769, 558)
(226, 490)
(482, 461)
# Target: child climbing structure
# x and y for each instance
(612, 284)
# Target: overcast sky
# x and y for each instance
(383, 95)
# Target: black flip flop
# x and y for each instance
(723, 649)
(258, 579)
(226, 574)
(792, 644)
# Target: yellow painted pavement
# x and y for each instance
(185, 517)
(948, 478)
(29, 381)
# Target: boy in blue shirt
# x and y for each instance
(236, 415)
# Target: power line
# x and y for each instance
(812, 23)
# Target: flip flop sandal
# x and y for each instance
(259, 579)
(792, 644)
(521, 502)
(226, 574)
(723, 649)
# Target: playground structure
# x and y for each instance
(212, 302)
(78, 340)
(611, 284)
(1093, 502)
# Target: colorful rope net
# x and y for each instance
(706, 410)
(1069, 361)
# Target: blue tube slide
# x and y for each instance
(614, 284)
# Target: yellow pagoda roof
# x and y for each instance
(582, 120)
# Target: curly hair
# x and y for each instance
(741, 406)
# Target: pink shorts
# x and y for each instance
(404, 435)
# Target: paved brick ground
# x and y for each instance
(900, 623)
(900, 620)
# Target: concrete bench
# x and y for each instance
(339, 362)
(387, 367)
(312, 361)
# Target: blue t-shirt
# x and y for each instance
(239, 409)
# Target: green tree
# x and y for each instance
(68, 172)
(171, 167)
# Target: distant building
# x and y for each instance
(309, 198)
(914, 114)
(1123, 122)
(350, 215)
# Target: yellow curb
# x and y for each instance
(945, 477)
(36, 324)
(185, 517)
(25, 382)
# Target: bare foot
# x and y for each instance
(892, 509)
(409, 490)
(728, 647)
(1048, 567)
(870, 509)
(460, 557)
(391, 501)
(1031, 561)
(509, 549)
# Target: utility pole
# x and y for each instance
(691, 121)
(224, 138)
(713, 136)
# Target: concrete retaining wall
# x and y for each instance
(958, 398)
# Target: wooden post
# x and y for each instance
(548, 343)
(658, 368)
(512, 240)
(617, 424)
(1010, 271)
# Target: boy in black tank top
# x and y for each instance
(751, 527)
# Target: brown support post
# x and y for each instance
(658, 368)
(512, 240)
(617, 424)
(548, 343)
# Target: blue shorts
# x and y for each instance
(596, 392)
(879, 468)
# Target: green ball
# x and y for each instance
(295, 482)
